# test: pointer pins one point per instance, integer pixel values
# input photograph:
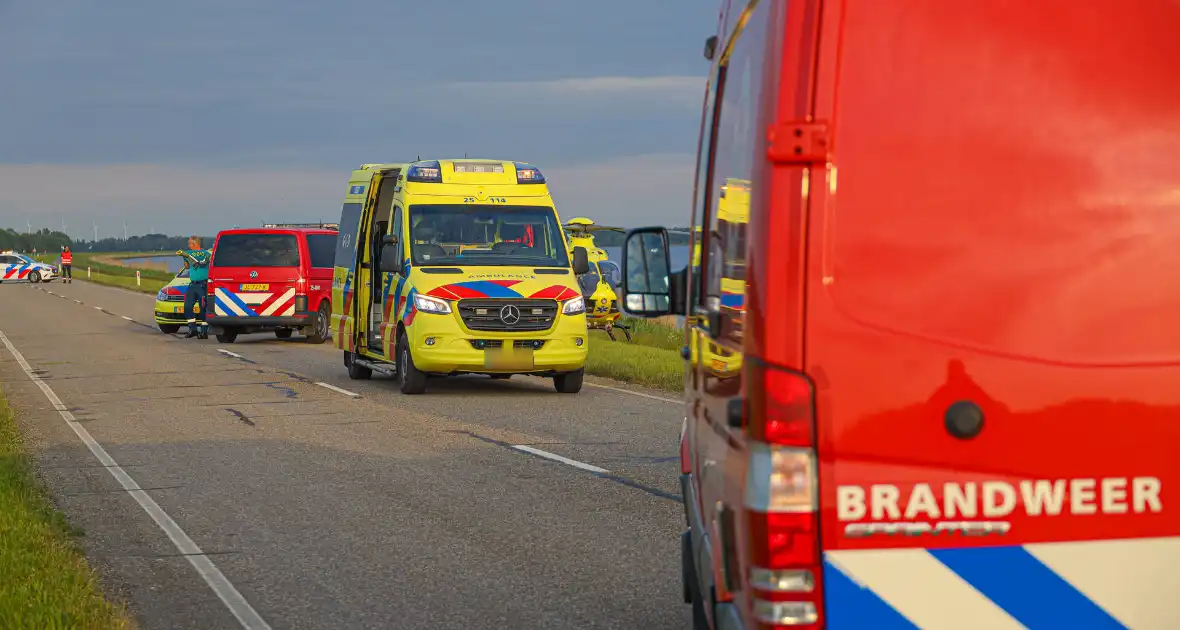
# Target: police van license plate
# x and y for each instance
(508, 358)
(255, 287)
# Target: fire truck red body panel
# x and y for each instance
(965, 236)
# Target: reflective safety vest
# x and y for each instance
(67, 258)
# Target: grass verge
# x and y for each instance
(44, 580)
(151, 280)
(644, 365)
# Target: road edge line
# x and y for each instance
(222, 587)
(558, 458)
(634, 393)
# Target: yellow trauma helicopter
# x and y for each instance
(598, 286)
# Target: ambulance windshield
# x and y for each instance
(486, 235)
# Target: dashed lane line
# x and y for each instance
(558, 458)
(338, 389)
(225, 590)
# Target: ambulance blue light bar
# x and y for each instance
(425, 172)
(528, 174)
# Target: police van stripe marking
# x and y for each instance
(921, 589)
(1135, 580)
(856, 606)
(1026, 588)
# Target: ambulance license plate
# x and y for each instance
(255, 287)
(508, 358)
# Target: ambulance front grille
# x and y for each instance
(485, 314)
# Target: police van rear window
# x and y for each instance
(257, 250)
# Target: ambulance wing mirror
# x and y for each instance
(648, 289)
(389, 239)
(390, 258)
(581, 261)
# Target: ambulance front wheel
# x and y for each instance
(412, 381)
(169, 329)
(570, 382)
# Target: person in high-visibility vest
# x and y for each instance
(198, 273)
(67, 264)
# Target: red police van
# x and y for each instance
(274, 278)
(957, 405)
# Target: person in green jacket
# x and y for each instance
(197, 260)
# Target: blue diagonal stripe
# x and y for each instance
(490, 289)
(388, 284)
(1025, 588)
(222, 309)
(397, 293)
(409, 303)
(853, 607)
(232, 297)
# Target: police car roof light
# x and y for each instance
(528, 174)
(425, 172)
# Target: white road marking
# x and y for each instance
(228, 353)
(558, 458)
(233, 600)
(337, 389)
(634, 393)
(127, 318)
(98, 308)
(78, 301)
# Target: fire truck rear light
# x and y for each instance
(785, 540)
(792, 480)
(781, 407)
(782, 581)
(784, 613)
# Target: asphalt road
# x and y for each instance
(313, 508)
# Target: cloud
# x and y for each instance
(627, 191)
(678, 90)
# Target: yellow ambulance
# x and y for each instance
(448, 267)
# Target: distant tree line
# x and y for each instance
(46, 240)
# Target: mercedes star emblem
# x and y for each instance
(510, 314)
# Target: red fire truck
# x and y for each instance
(957, 405)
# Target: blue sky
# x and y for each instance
(195, 116)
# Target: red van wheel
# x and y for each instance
(320, 331)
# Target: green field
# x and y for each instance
(44, 579)
(652, 359)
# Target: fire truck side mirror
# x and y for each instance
(648, 285)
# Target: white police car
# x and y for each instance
(20, 268)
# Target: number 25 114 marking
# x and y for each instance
(490, 200)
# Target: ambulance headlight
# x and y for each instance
(161, 296)
(428, 304)
(575, 306)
